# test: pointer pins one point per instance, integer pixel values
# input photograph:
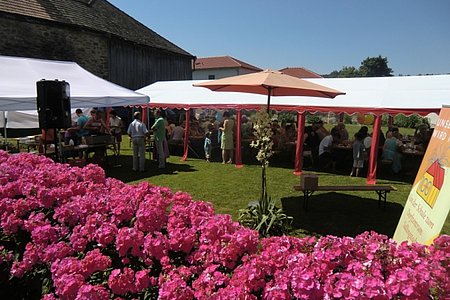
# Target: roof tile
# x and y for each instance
(216, 62)
(300, 72)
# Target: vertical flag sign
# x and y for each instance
(428, 202)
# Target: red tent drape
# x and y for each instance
(144, 116)
(186, 135)
(299, 144)
(372, 172)
(238, 141)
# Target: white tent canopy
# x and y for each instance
(27, 118)
(19, 119)
(408, 94)
(19, 75)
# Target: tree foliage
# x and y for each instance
(375, 67)
(370, 67)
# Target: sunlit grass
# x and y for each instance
(229, 189)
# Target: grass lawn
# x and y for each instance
(230, 189)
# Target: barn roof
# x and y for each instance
(97, 15)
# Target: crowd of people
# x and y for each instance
(216, 130)
(94, 125)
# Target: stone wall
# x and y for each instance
(41, 40)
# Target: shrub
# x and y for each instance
(411, 121)
(71, 233)
(313, 118)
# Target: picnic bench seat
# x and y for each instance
(381, 190)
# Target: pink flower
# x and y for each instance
(175, 287)
(81, 224)
(106, 234)
(49, 297)
(92, 292)
(129, 238)
(121, 282)
(67, 286)
(142, 280)
(45, 234)
(94, 261)
(156, 245)
(55, 251)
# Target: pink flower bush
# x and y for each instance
(85, 236)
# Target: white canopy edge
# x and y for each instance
(19, 75)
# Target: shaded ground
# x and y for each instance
(342, 214)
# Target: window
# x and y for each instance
(211, 76)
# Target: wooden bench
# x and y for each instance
(381, 190)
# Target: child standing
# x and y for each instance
(358, 154)
(207, 146)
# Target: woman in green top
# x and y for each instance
(159, 129)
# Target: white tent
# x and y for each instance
(19, 75)
(407, 94)
(19, 119)
(27, 118)
(410, 94)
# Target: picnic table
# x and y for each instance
(381, 190)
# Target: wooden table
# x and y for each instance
(30, 141)
(381, 190)
(85, 150)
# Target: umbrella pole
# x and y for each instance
(5, 119)
(269, 91)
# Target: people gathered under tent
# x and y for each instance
(327, 158)
(176, 137)
(343, 133)
(159, 131)
(358, 150)
(392, 150)
(138, 132)
(95, 124)
(116, 125)
(77, 131)
(320, 130)
(227, 138)
(422, 136)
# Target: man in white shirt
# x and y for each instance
(326, 158)
(137, 132)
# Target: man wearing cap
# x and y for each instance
(137, 132)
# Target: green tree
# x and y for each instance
(348, 72)
(370, 67)
(375, 67)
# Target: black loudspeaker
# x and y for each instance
(53, 104)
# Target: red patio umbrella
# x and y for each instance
(270, 83)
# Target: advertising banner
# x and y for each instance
(428, 203)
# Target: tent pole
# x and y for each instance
(238, 156)
(372, 172)
(186, 135)
(299, 144)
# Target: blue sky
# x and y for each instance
(321, 35)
